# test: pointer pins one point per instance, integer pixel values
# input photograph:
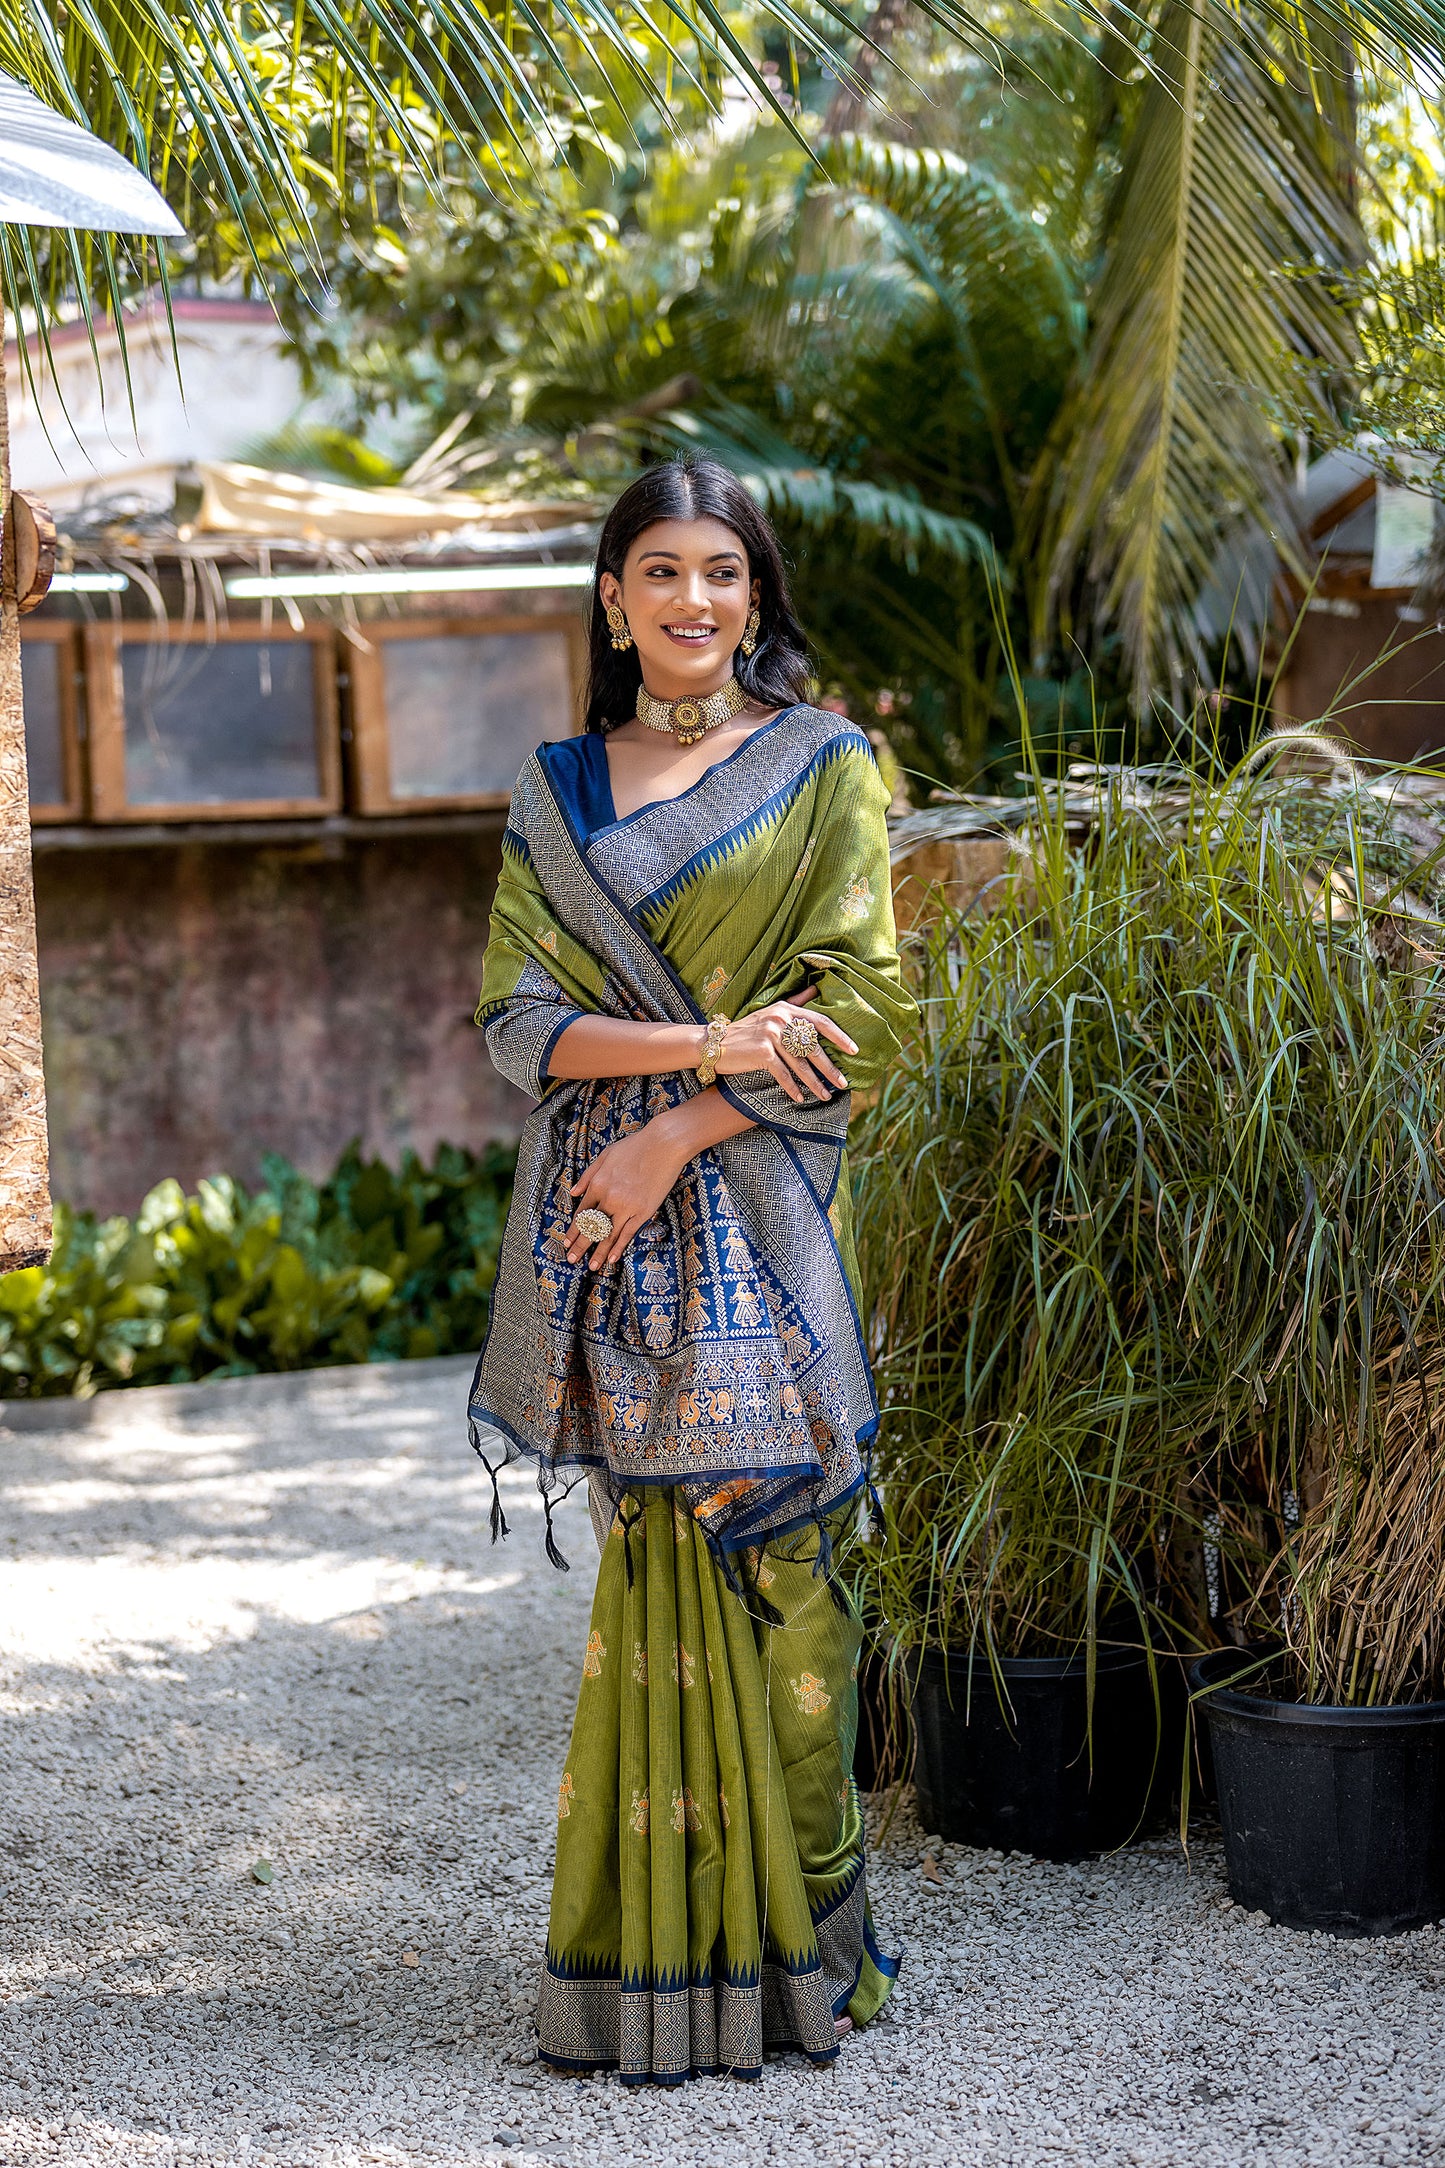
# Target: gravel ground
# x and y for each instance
(257, 1628)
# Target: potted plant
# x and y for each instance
(1328, 1735)
(1327, 1725)
(1033, 1458)
(1099, 1207)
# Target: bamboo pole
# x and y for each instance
(25, 1226)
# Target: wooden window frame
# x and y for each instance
(60, 633)
(106, 705)
(370, 742)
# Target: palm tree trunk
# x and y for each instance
(24, 1146)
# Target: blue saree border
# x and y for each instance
(579, 845)
(744, 831)
(625, 820)
(784, 1130)
(544, 1058)
(738, 1537)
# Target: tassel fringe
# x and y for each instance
(499, 1518)
(552, 1551)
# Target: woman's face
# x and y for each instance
(686, 592)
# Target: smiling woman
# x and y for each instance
(675, 1310)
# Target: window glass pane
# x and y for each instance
(213, 725)
(464, 711)
(41, 662)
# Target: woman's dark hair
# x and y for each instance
(776, 674)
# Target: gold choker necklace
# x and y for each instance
(690, 720)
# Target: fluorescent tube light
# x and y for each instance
(89, 583)
(436, 580)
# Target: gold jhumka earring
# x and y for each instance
(750, 631)
(618, 627)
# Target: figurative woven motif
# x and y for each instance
(748, 1379)
(734, 1918)
(856, 900)
(724, 1350)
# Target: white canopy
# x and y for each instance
(53, 172)
(242, 500)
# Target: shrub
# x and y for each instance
(1153, 1231)
(370, 1265)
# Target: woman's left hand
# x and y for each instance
(628, 1181)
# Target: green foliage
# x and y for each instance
(1150, 1218)
(1026, 364)
(372, 1265)
(271, 124)
(1077, 341)
(1211, 288)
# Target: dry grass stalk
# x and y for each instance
(1363, 1581)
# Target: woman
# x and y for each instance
(692, 960)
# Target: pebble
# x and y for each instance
(261, 1622)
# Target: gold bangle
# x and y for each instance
(717, 1031)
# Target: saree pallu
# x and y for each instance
(715, 1382)
(725, 1350)
(709, 1900)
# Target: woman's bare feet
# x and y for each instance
(842, 2025)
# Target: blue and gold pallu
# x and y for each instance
(720, 1368)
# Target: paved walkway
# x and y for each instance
(258, 1627)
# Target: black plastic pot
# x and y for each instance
(1022, 1779)
(1333, 1818)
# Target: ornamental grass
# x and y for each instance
(1150, 1221)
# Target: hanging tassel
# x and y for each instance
(499, 1518)
(552, 1551)
(749, 1595)
(759, 1604)
(823, 1564)
(626, 1544)
(765, 1612)
(727, 1566)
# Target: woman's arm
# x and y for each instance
(603, 1046)
(599, 1046)
(629, 1179)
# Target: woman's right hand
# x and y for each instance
(755, 1042)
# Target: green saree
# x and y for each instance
(710, 1897)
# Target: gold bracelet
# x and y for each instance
(717, 1031)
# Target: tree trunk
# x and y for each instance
(24, 1145)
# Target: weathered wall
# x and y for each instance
(205, 1003)
(1393, 710)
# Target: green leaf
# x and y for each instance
(1232, 211)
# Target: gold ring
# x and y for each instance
(594, 1223)
(800, 1036)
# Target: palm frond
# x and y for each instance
(1398, 398)
(818, 497)
(981, 269)
(1231, 212)
(249, 113)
